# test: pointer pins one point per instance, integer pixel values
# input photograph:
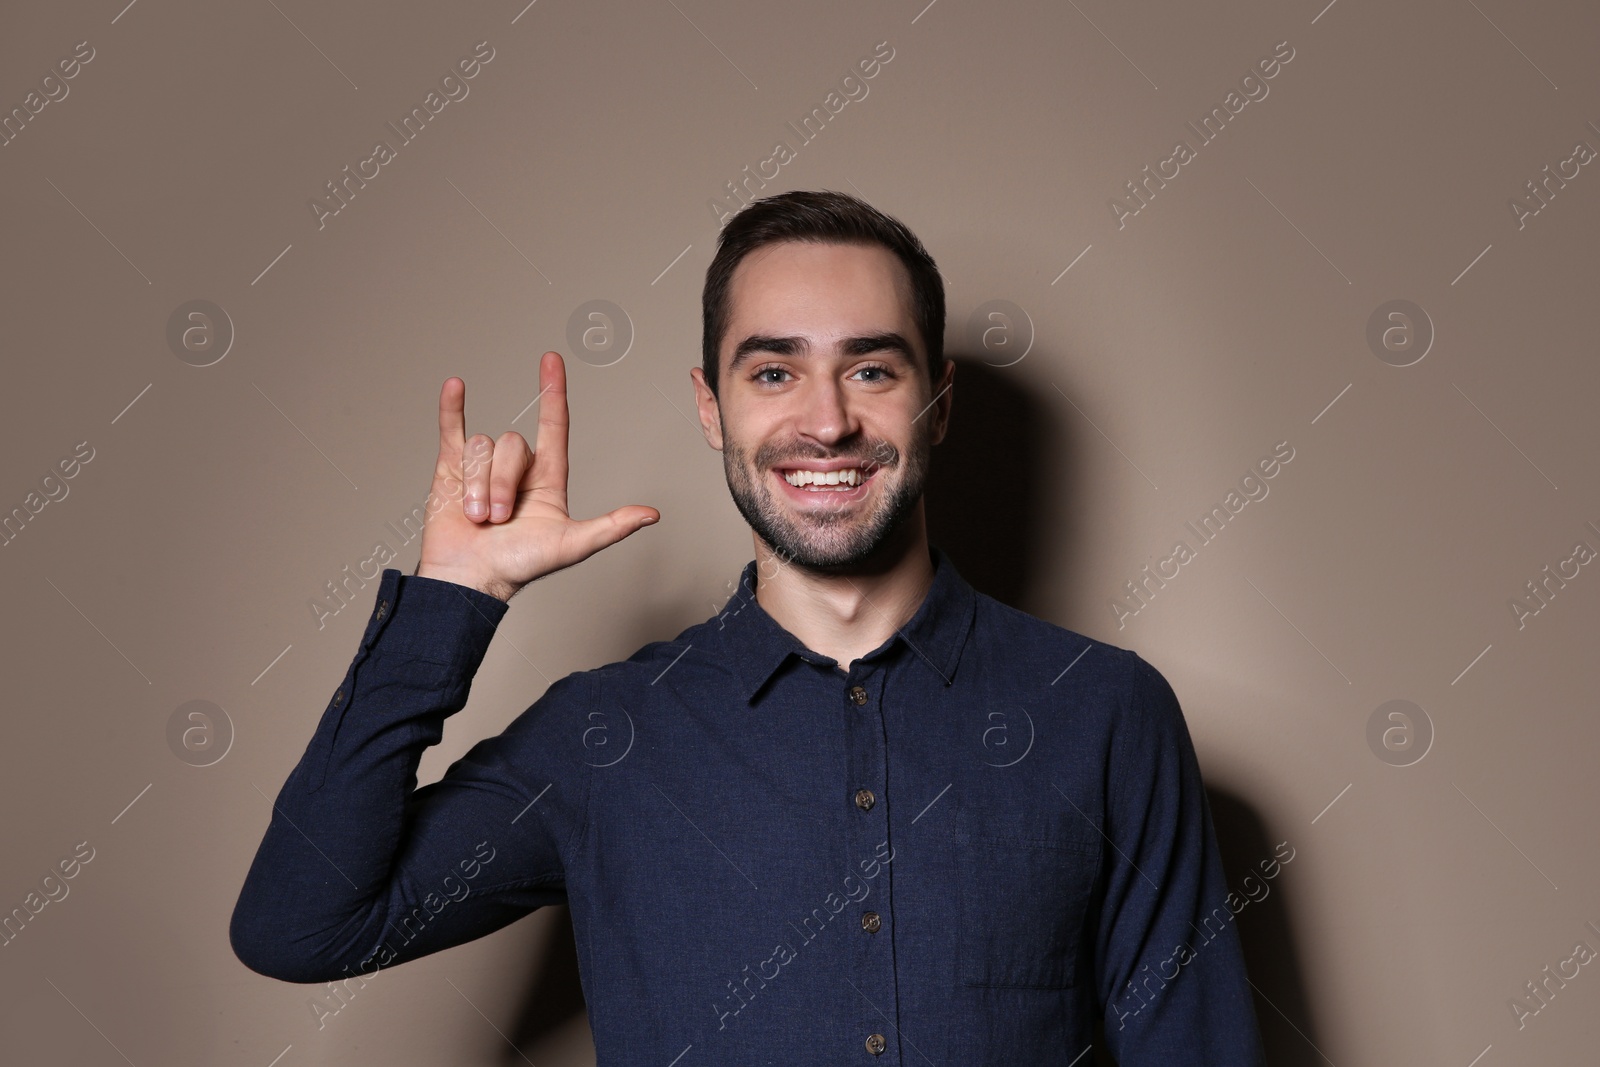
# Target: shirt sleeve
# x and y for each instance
(1170, 977)
(360, 869)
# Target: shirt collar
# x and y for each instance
(756, 645)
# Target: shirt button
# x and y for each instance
(858, 695)
(876, 1044)
(865, 799)
(871, 922)
(338, 698)
(383, 608)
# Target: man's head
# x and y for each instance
(823, 350)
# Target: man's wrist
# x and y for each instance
(495, 587)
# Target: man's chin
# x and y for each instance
(847, 548)
(855, 537)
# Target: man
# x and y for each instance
(865, 814)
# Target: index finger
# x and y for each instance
(452, 423)
(550, 443)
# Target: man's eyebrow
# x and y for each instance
(885, 341)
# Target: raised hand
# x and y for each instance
(503, 521)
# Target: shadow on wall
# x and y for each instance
(554, 996)
(1004, 445)
(989, 484)
(1283, 1010)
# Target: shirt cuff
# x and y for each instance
(433, 621)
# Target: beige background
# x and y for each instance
(1228, 315)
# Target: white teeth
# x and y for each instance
(848, 476)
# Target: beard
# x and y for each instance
(829, 539)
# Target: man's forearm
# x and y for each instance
(325, 864)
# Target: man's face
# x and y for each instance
(823, 379)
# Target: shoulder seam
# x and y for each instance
(1129, 701)
(1055, 628)
(581, 830)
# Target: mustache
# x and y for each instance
(881, 454)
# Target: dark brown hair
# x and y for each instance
(824, 217)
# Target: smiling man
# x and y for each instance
(826, 415)
(864, 814)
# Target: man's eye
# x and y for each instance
(877, 374)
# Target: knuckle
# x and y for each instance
(479, 452)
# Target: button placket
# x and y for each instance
(868, 828)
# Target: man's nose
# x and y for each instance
(825, 411)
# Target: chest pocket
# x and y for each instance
(1024, 893)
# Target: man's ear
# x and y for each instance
(943, 395)
(710, 410)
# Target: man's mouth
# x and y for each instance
(846, 478)
(836, 480)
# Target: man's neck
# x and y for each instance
(846, 615)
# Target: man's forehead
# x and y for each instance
(828, 293)
(801, 259)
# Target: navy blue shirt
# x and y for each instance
(985, 835)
